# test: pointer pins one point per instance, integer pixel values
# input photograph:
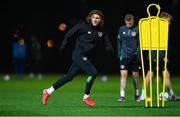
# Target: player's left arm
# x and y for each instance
(137, 52)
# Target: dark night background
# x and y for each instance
(43, 17)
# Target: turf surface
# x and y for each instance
(23, 97)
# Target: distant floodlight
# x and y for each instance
(62, 26)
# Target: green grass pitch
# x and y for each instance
(23, 97)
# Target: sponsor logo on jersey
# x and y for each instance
(122, 66)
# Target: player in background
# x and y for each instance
(129, 55)
(88, 35)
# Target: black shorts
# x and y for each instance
(130, 64)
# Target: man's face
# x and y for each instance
(95, 19)
(129, 23)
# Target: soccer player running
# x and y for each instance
(129, 55)
(168, 88)
(88, 34)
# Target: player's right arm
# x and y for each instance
(119, 41)
(69, 34)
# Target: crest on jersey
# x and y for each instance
(84, 58)
(100, 34)
(133, 34)
(122, 66)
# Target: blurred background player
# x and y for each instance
(88, 33)
(168, 88)
(128, 53)
(19, 54)
(35, 57)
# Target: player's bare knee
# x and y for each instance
(124, 74)
(135, 75)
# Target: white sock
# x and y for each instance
(85, 96)
(166, 93)
(137, 91)
(50, 90)
(122, 93)
(171, 92)
(142, 92)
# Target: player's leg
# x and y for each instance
(123, 76)
(142, 97)
(167, 84)
(136, 85)
(168, 88)
(89, 68)
(136, 67)
(165, 73)
(172, 96)
(74, 70)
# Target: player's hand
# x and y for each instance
(164, 59)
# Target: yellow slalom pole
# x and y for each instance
(157, 62)
(150, 55)
(164, 78)
(157, 56)
(150, 67)
(150, 61)
(144, 79)
(153, 33)
(143, 70)
(165, 70)
(158, 46)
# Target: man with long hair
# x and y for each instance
(88, 34)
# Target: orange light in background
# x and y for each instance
(62, 27)
(50, 43)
